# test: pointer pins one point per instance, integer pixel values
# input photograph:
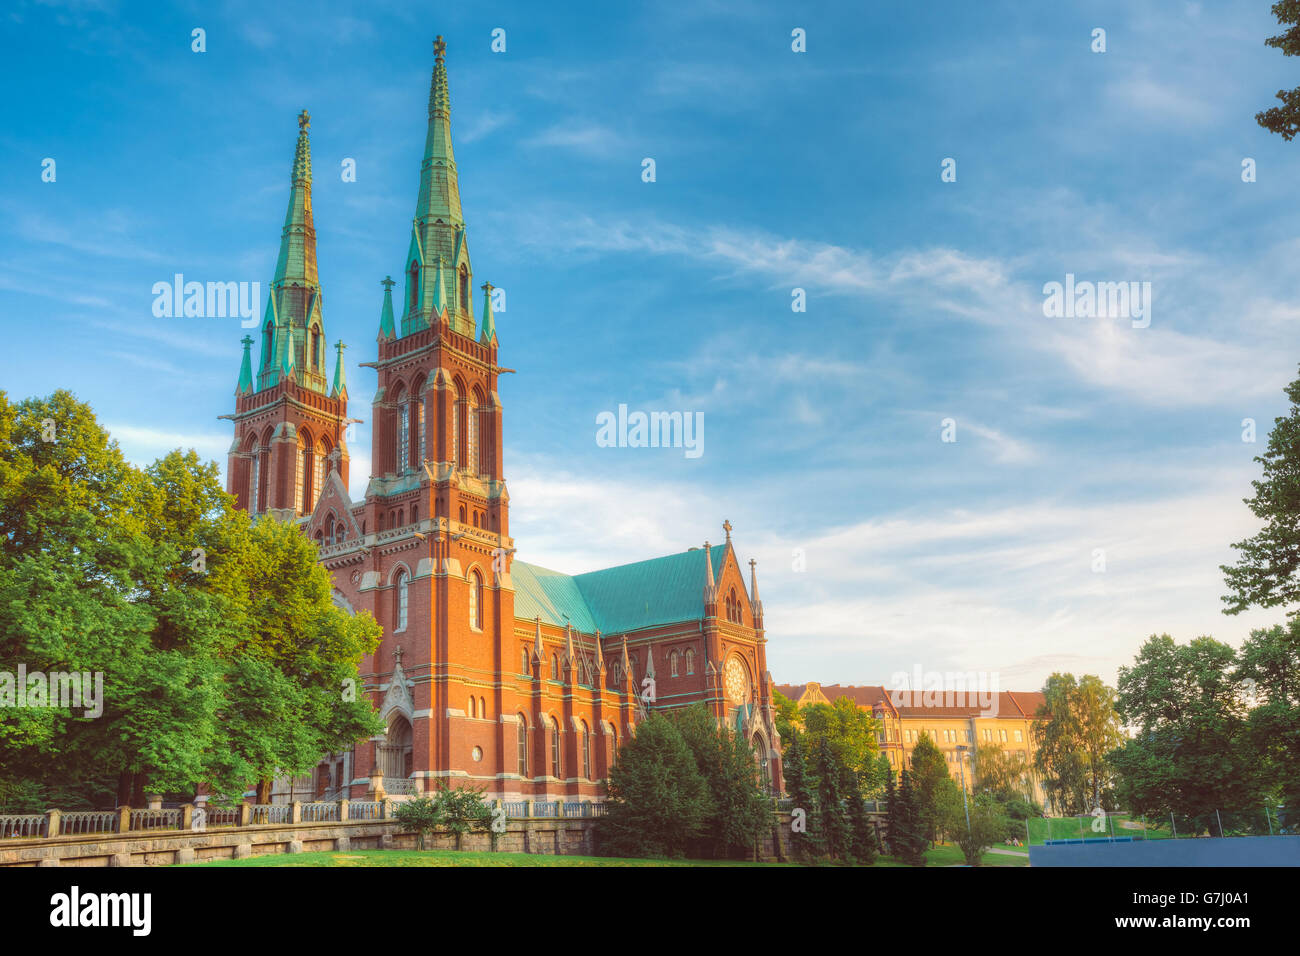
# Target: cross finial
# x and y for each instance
(341, 346)
(726, 526)
(487, 287)
(439, 48)
(752, 562)
(304, 120)
(246, 342)
(397, 654)
(388, 283)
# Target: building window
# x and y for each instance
(418, 407)
(315, 349)
(267, 342)
(401, 600)
(1002, 735)
(690, 660)
(457, 410)
(482, 708)
(672, 664)
(414, 283)
(555, 747)
(473, 707)
(555, 667)
(403, 438)
(318, 472)
(471, 438)
(476, 600)
(252, 485)
(464, 288)
(523, 744)
(1020, 736)
(586, 751)
(523, 661)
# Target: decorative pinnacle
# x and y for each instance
(440, 49)
(304, 120)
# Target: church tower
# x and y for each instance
(438, 578)
(290, 414)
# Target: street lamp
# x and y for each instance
(961, 762)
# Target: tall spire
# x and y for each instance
(757, 604)
(489, 324)
(710, 589)
(439, 191)
(245, 385)
(387, 327)
(293, 311)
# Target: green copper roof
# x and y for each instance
(615, 600)
(489, 325)
(340, 379)
(387, 328)
(439, 291)
(245, 385)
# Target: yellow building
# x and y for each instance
(953, 719)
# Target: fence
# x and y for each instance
(1124, 827)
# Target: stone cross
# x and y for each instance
(397, 654)
(726, 526)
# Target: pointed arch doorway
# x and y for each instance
(396, 753)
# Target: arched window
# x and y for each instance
(690, 660)
(586, 751)
(476, 600)
(482, 708)
(268, 342)
(338, 532)
(464, 288)
(473, 707)
(462, 514)
(523, 744)
(329, 529)
(403, 438)
(555, 748)
(523, 660)
(302, 475)
(318, 471)
(555, 667)
(315, 349)
(672, 663)
(253, 499)
(414, 285)
(471, 435)
(415, 514)
(457, 427)
(401, 599)
(417, 416)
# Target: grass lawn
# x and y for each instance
(943, 855)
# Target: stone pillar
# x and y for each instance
(123, 819)
(52, 818)
(187, 816)
(245, 814)
(295, 812)
(343, 810)
(376, 791)
(155, 800)
(385, 808)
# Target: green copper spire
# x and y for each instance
(438, 228)
(245, 385)
(293, 316)
(340, 380)
(489, 335)
(387, 328)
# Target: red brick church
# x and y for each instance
(492, 672)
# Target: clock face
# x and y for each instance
(736, 680)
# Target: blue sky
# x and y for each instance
(775, 170)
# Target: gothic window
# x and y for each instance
(301, 474)
(690, 660)
(471, 439)
(586, 751)
(329, 529)
(555, 747)
(253, 500)
(264, 457)
(403, 438)
(318, 471)
(475, 600)
(555, 667)
(401, 601)
(315, 349)
(462, 514)
(338, 532)
(456, 430)
(672, 664)
(414, 286)
(268, 340)
(473, 709)
(415, 513)
(417, 407)
(464, 288)
(522, 724)
(523, 660)
(482, 708)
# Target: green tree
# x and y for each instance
(1077, 726)
(850, 732)
(862, 844)
(837, 834)
(658, 801)
(907, 834)
(929, 769)
(419, 816)
(785, 714)
(987, 826)
(1003, 773)
(1269, 661)
(801, 785)
(949, 809)
(738, 810)
(1190, 755)
(1265, 573)
(462, 809)
(1284, 119)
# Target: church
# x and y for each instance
(492, 672)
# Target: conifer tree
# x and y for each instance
(863, 840)
(836, 832)
(801, 785)
(911, 841)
